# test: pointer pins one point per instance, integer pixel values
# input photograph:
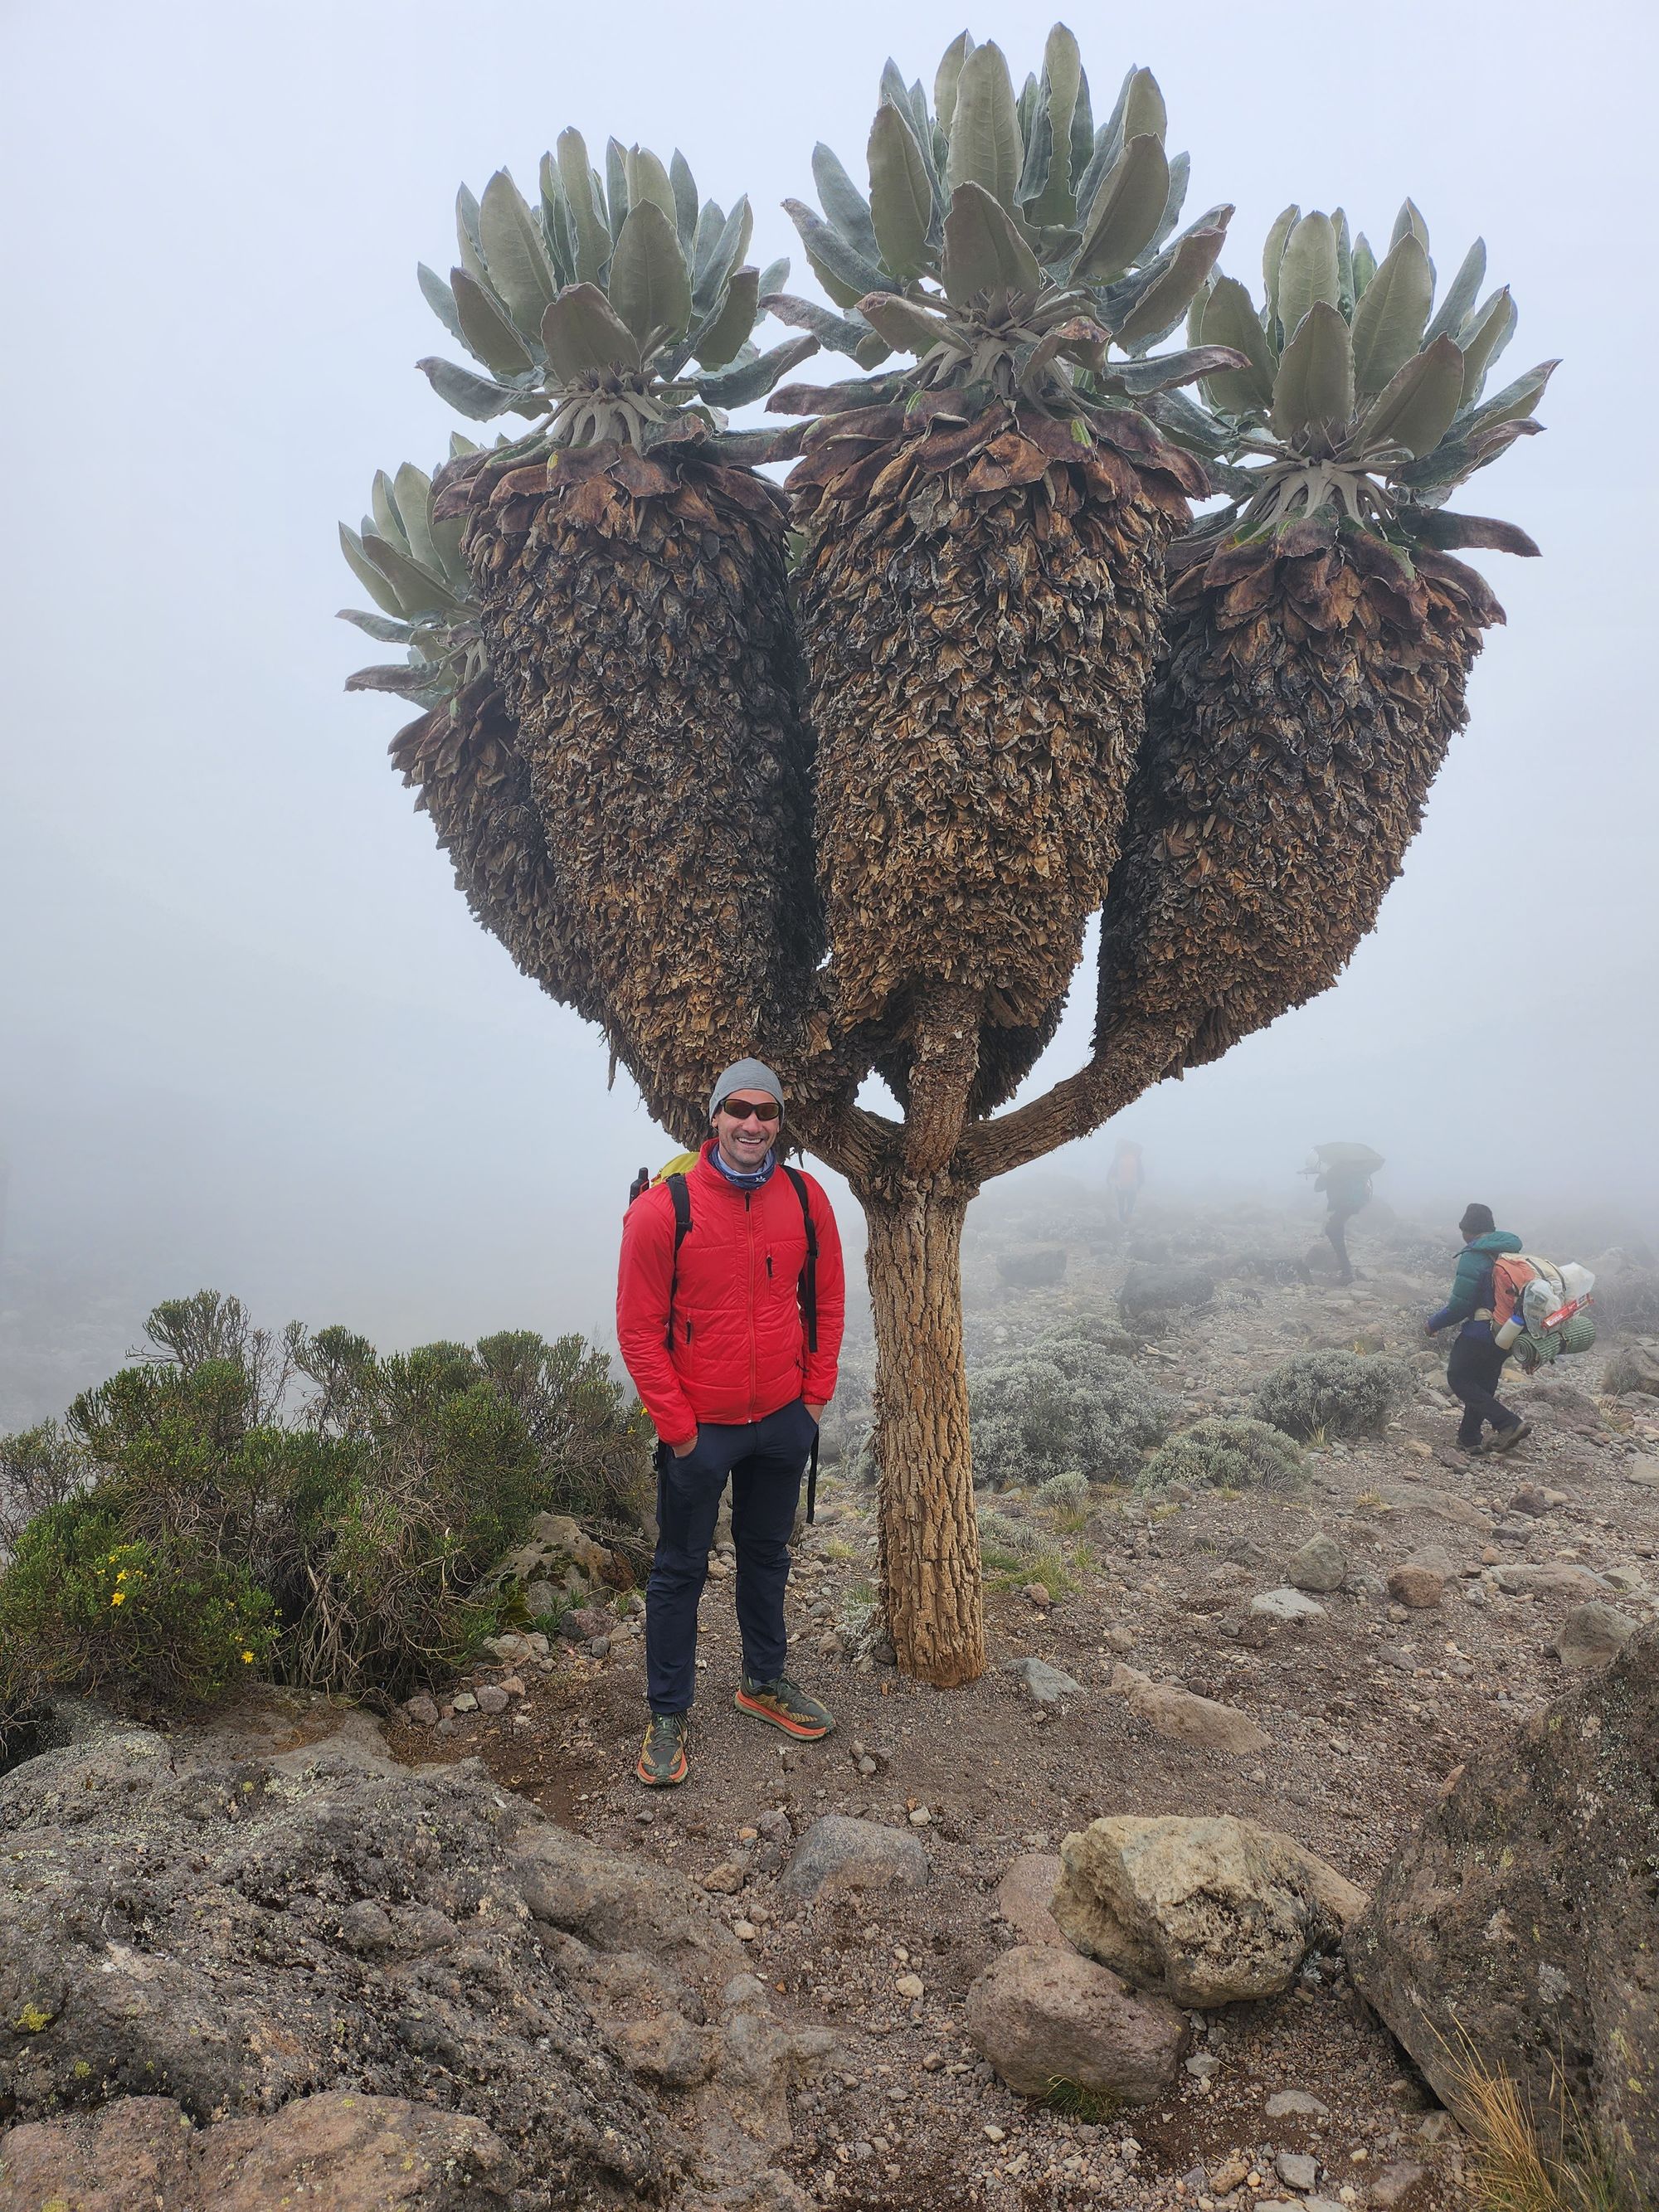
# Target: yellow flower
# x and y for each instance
(247, 1658)
(117, 1597)
(121, 1575)
(113, 1556)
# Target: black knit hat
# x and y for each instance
(1477, 1221)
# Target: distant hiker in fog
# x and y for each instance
(1125, 1176)
(1477, 1361)
(1343, 1173)
(729, 1303)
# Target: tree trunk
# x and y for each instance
(929, 1566)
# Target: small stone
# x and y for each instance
(726, 1879)
(1046, 1684)
(1037, 1592)
(1318, 1566)
(1203, 2066)
(1286, 2104)
(919, 1816)
(598, 1647)
(866, 1766)
(423, 1711)
(1120, 1639)
(909, 1985)
(994, 2134)
(1395, 2184)
(513, 1686)
(718, 1568)
(932, 2061)
(492, 1699)
(1229, 2174)
(464, 1702)
(1285, 1604)
(743, 1930)
(1296, 2170)
(1416, 1583)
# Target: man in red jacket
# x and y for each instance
(710, 1325)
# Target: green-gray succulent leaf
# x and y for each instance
(1460, 294)
(685, 186)
(1181, 170)
(1313, 393)
(907, 326)
(1053, 198)
(511, 240)
(441, 300)
(1144, 113)
(841, 333)
(1163, 371)
(1273, 255)
(371, 579)
(1409, 223)
(650, 286)
(729, 251)
(842, 203)
(383, 501)
(1389, 323)
(1125, 213)
(412, 489)
(753, 380)
(1230, 319)
(587, 216)
(984, 138)
(1164, 301)
(1365, 267)
(947, 77)
(1415, 409)
(614, 192)
(584, 335)
(723, 334)
(648, 180)
(382, 627)
(901, 196)
(408, 680)
(418, 590)
(478, 397)
(489, 335)
(1513, 403)
(1308, 271)
(1483, 338)
(983, 251)
(844, 275)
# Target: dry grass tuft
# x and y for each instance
(1511, 2169)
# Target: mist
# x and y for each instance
(250, 1035)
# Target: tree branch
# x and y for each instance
(1124, 1062)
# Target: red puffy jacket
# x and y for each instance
(740, 1349)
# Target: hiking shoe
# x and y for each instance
(787, 1706)
(1507, 1439)
(662, 1762)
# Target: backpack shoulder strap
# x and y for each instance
(809, 1273)
(680, 1198)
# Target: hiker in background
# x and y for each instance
(1477, 1360)
(729, 1306)
(1343, 1173)
(1124, 1177)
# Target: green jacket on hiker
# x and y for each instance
(1471, 1290)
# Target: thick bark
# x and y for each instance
(929, 1539)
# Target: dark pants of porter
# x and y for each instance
(1472, 1374)
(764, 1460)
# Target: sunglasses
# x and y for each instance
(763, 1110)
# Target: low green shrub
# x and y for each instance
(1064, 1493)
(1345, 1394)
(999, 1532)
(1225, 1454)
(332, 1513)
(1062, 1405)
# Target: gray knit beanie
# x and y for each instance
(744, 1075)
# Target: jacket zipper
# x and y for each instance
(749, 1222)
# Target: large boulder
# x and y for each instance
(1208, 1911)
(839, 1853)
(1041, 2014)
(240, 1936)
(1522, 1914)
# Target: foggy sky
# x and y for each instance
(249, 1034)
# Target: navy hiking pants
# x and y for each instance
(1472, 1374)
(764, 1460)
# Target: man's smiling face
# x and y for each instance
(743, 1138)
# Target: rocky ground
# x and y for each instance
(1343, 1722)
(1191, 1653)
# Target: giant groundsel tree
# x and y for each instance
(837, 773)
